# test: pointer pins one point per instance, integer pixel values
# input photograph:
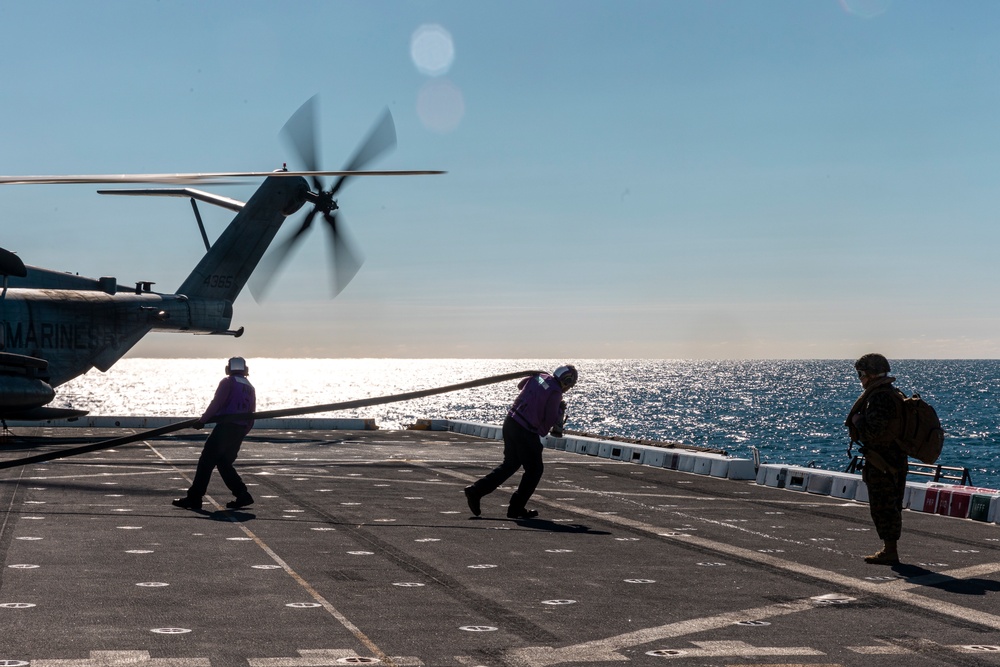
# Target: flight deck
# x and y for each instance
(360, 549)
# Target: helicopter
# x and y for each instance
(56, 326)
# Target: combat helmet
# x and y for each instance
(872, 364)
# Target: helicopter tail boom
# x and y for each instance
(224, 270)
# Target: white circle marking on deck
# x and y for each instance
(129, 527)
(170, 631)
(303, 605)
(558, 602)
(484, 566)
(139, 551)
(29, 538)
(17, 605)
(666, 653)
(478, 628)
(152, 584)
(558, 551)
(361, 553)
(427, 539)
(266, 567)
(640, 581)
(753, 624)
(239, 539)
(323, 528)
(408, 584)
(23, 566)
(13, 663)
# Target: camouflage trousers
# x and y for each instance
(885, 499)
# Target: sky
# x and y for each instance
(689, 179)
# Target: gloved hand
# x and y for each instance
(556, 432)
(198, 425)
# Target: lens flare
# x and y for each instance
(432, 50)
(440, 106)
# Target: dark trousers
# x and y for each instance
(521, 447)
(220, 451)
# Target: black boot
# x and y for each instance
(188, 503)
(473, 499)
(242, 500)
(520, 513)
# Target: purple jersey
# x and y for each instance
(234, 396)
(537, 407)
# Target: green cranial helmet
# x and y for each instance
(872, 364)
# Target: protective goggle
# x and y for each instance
(861, 373)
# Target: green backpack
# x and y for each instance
(921, 435)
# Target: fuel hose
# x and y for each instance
(267, 414)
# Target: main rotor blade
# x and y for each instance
(346, 262)
(264, 275)
(381, 138)
(220, 177)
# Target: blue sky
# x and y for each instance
(683, 179)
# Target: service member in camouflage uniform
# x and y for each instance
(875, 421)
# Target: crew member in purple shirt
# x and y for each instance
(538, 409)
(234, 396)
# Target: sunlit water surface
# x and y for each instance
(792, 411)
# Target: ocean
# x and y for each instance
(792, 411)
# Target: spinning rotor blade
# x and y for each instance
(346, 262)
(221, 177)
(381, 138)
(263, 276)
(302, 133)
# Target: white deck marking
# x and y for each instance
(892, 591)
(123, 659)
(605, 650)
(725, 649)
(326, 657)
(330, 609)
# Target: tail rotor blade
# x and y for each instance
(380, 139)
(346, 261)
(262, 278)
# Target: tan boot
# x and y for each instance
(887, 556)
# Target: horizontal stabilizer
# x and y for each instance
(200, 195)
